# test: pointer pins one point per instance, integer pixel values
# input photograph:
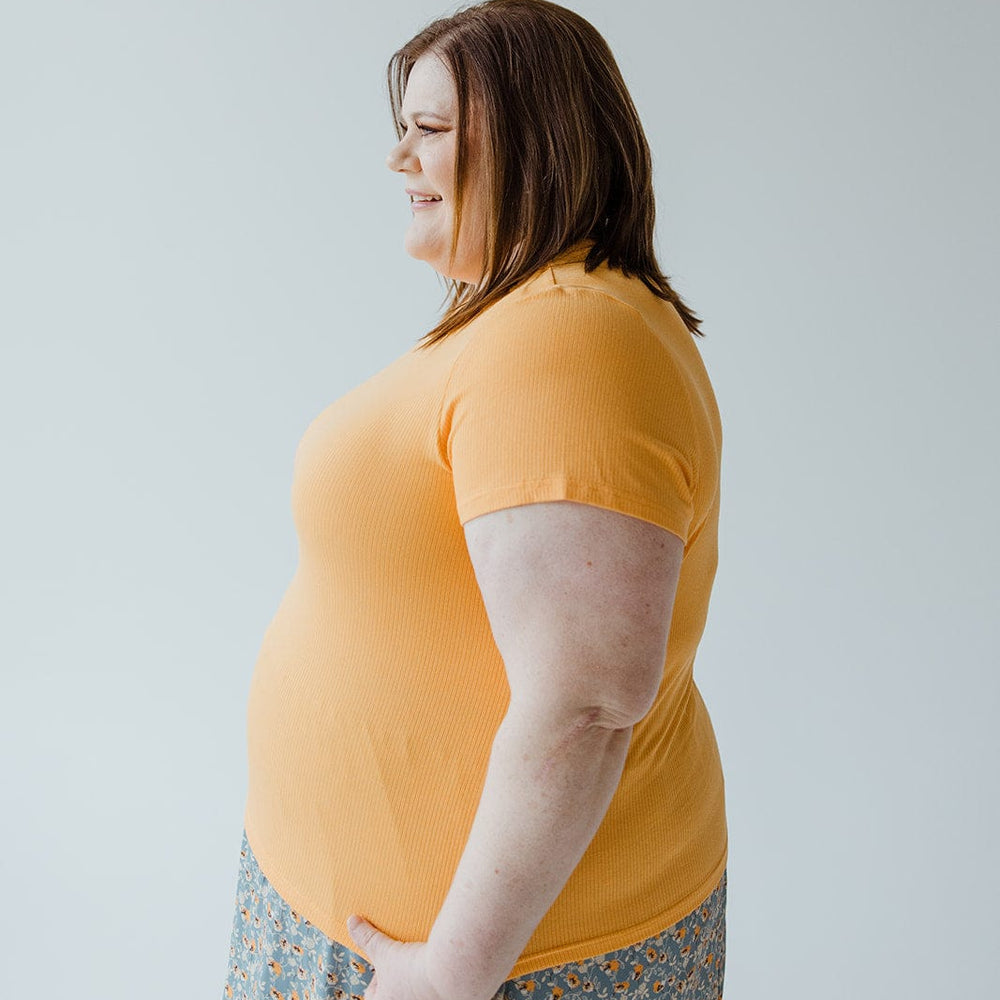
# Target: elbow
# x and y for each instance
(617, 711)
(608, 697)
(571, 719)
(629, 698)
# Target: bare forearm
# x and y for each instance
(548, 786)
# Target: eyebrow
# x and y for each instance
(427, 114)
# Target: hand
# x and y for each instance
(399, 969)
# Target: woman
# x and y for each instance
(478, 760)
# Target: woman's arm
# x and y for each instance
(579, 600)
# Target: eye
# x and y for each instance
(425, 129)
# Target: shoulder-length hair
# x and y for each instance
(566, 153)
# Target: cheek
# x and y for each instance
(440, 164)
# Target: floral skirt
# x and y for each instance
(276, 954)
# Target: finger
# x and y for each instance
(364, 935)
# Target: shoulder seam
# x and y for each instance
(558, 286)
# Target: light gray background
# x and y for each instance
(202, 248)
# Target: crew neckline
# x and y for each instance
(573, 254)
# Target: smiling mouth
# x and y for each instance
(422, 199)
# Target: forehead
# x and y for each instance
(430, 88)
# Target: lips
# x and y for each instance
(421, 197)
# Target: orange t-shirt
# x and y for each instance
(378, 687)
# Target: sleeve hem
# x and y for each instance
(676, 519)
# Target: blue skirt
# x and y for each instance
(276, 954)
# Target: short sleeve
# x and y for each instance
(568, 394)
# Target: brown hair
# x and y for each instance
(578, 167)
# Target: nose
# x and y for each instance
(401, 158)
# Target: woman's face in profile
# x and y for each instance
(426, 158)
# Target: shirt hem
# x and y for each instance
(582, 951)
(578, 951)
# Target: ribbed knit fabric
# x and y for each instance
(378, 687)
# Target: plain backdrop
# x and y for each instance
(201, 247)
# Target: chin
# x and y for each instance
(422, 249)
(435, 253)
